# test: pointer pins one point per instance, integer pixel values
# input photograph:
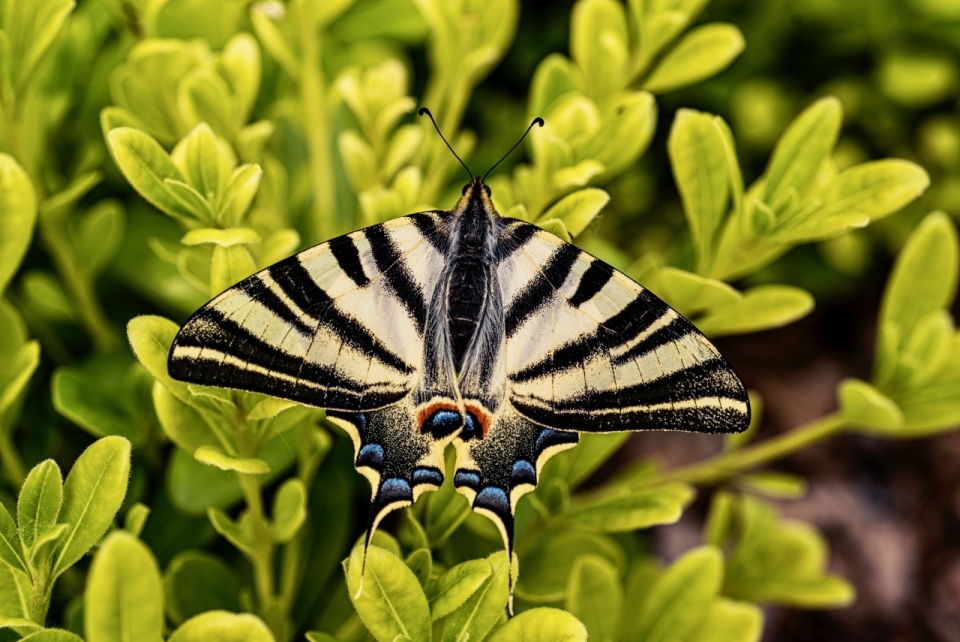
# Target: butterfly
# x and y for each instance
(467, 327)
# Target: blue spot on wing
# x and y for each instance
(371, 456)
(494, 499)
(394, 489)
(548, 438)
(523, 473)
(442, 423)
(467, 478)
(427, 475)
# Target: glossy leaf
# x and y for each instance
(92, 494)
(123, 599)
(702, 53)
(762, 307)
(223, 627)
(39, 503)
(614, 512)
(680, 600)
(389, 599)
(477, 616)
(541, 625)
(456, 585)
(18, 215)
(289, 510)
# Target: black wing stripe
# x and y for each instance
(390, 262)
(300, 288)
(211, 330)
(517, 235)
(256, 289)
(348, 258)
(543, 286)
(427, 225)
(591, 282)
(637, 316)
(672, 331)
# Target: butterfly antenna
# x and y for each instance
(536, 121)
(424, 110)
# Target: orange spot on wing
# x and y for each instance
(481, 414)
(425, 411)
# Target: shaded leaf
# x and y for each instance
(196, 582)
(595, 596)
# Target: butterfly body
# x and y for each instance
(461, 326)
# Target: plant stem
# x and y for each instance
(730, 463)
(261, 554)
(12, 463)
(315, 119)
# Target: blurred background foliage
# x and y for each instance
(766, 167)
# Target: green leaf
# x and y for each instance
(195, 582)
(223, 238)
(15, 593)
(31, 27)
(136, 518)
(237, 533)
(595, 596)
(289, 510)
(549, 562)
(541, 625)
(11, 552)
(577, 210)
(773, 484)
(92, 495)
(619, 511)
(803, 148)
(865, 193)
(762, 307)
(680, 599)
(147, 167)
(456, 585)
(239, 194)
(18, 215)
(577, 464)
(598, 43)
(216, 457)
(39, 504)
(446, 510)
(484, 608)
(554, 77)
(699, 161)
(388, 597)
(868, 409)
(230, 265)
(18, 623)
(924, 278)
(88, 396)
(420, 562)
(222, 627)
(204, 97)
(241, 61)
(317, 636)
(626, 134)
(123, 598)
(185, 425)
(198, 159)
(269, 408)
(52, 635)
(556, 227)
(702, 53)
(730, 621)
(690, 293)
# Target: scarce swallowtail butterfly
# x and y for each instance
(461, 325)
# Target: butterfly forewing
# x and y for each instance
(338, 326)
(591, 350)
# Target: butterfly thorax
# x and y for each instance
(472, 269)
